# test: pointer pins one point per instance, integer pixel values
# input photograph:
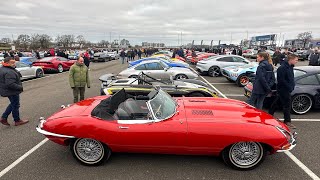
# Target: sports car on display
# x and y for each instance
(144, 84)
(27, 71)
(54, 63)
(101, 57)
(169, 62)
(158, 70)
(306, 94)
(113, 55)
(201, 57)
(212, 66)
(157, 123)
(250, 53)
(240, 74)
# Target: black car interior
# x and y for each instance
(123, 106)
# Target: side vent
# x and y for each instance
(202, 112)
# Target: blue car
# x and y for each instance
(28, 60)
(169, 63)
(240, 74)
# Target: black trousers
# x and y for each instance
(285, 99)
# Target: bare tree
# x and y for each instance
(23, 40)
(44, 40)
(103, 43)
(81, 40)
(305, 37)
(6, 40)
(65, 40)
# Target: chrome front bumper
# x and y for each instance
(46, 133)
(292, 143)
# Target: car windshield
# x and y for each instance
(164, 65)
(298, 73)
(162, 106)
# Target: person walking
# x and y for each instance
(11, 87)
(277, 57)
(86, 58)
(314, 58)
(139, 54)
(123, 56)
(79, 79)
(285, 86)
(263, 82)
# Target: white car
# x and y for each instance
(101, 57)
(1, 57)
(158, 70)
(28, 71)
(113, 55)
(212, 66)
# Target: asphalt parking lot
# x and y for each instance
(43, 97)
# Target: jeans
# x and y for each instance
(122, 59)
(13, 108)
(76, 92)
(285, 99)
(256, 100)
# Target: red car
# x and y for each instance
(201, 57)
(54, 63)
(157, 123)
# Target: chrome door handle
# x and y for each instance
(123, 127)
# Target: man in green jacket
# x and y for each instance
(79, 79)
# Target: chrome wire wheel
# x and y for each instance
(60, 68)
(246, 154)
(301, 104)
(89, 151)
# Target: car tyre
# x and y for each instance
(60, 68)
(244, 155)
(180, 77)
(90, 152)
(301, 103)
(133, 76)
(214, 71)
(39, 73)
(243, 80)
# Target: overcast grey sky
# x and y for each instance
(160, 20)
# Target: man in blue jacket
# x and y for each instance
(285, 86)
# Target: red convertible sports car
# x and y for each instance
(54, 63)
(158, 123)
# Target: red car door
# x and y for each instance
(166, 136)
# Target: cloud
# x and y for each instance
(161, 21)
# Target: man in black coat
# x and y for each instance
(285, 86)
(314, 59)
(277, 57)
(11, 87)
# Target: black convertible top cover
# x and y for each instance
(107, 107)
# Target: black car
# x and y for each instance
(306, 94)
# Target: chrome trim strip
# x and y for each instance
(46, 133)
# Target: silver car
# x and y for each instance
(158, 70)
(28, 71)
(212, 66)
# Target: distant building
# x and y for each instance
(153, 45)
(314, 43)
(293, 43)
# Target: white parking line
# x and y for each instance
(234, 95)
(221, 83)
(289, 154)
(16, 162)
